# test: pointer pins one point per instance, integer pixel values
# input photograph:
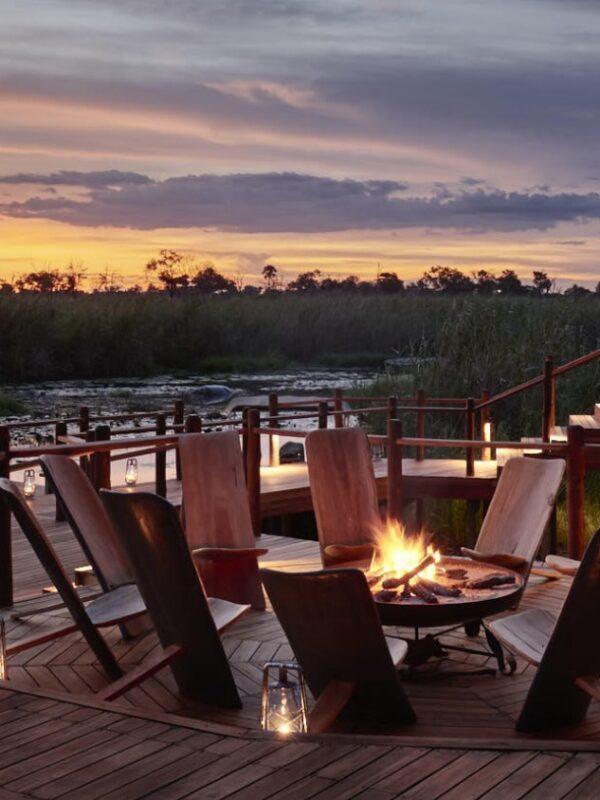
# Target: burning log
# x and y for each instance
(392, 583)
(423, 593)
(491, 580)
(384, 596)
(442, 591)
(457, 573)
(423, 564)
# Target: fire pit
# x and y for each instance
(413, 584)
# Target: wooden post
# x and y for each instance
(549, 408)
(323, 410)
(273, 438)
(161, 458)
(576, 490)
(84, 426)
(338, 405)
(392, 407)
(193, 423)
(394, 461)
(470, 434)
(253, 467)
(6, 576)
(178, 417)
(103, 458)
(245, 424)
(420, 423)
(60, 429)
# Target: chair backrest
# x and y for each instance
(88, 520)
(151, 533)
(573, 651)
(215, 500)
(333, 627)
(41, 546)
(343, 488)
(521, 506)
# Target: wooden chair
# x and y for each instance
(566, 651)
(218, 526)
(333, 627)
(344, 493)
(186, 622)
(519, 511)
(111, 608)
(88, 520)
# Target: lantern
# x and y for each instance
(283, 707)
(131, 472)
(29, 483)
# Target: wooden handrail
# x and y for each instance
(577, 362)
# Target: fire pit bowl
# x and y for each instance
(470, 605)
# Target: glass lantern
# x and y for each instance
(131, 472)
(29, 483)
(283, 707)
(3, 668)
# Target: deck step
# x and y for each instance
(585, 420)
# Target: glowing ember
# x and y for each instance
(396, 553)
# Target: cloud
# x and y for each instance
(91, 180)
(292, 202)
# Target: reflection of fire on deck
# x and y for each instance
(480, 709)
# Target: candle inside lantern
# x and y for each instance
(131, 472)
(29, 482)
(284, 700)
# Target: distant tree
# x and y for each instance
(485, 282)
(576, 291)
(446, 280)
(51, 281)
(306, 282)
(510, 283)
(542, 284)
(169, 268)
(271, 278)
(209, 281)
(6, 287)
(389, 283)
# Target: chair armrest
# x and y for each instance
(567, 566)
(350, 552)
(227, 553)
(500, 559)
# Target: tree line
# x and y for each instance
(174, 273)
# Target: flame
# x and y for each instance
(396, 553)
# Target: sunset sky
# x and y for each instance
(308, 134)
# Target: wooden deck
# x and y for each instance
(150, 743)
(56, 748)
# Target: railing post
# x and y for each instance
(392, 407)
(253, 467)
(193, 423)
(273, 438)
(84, 426)
(549, 407)
(161, 458)
(323, 411)
(394, 461)
(338, 406)
(245, 424)
(576, 490)
(101, 469)
(470, 434)
(6, 569)
(420, 423)
(178, 417)
(60, 429)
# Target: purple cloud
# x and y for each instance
(290, 202)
